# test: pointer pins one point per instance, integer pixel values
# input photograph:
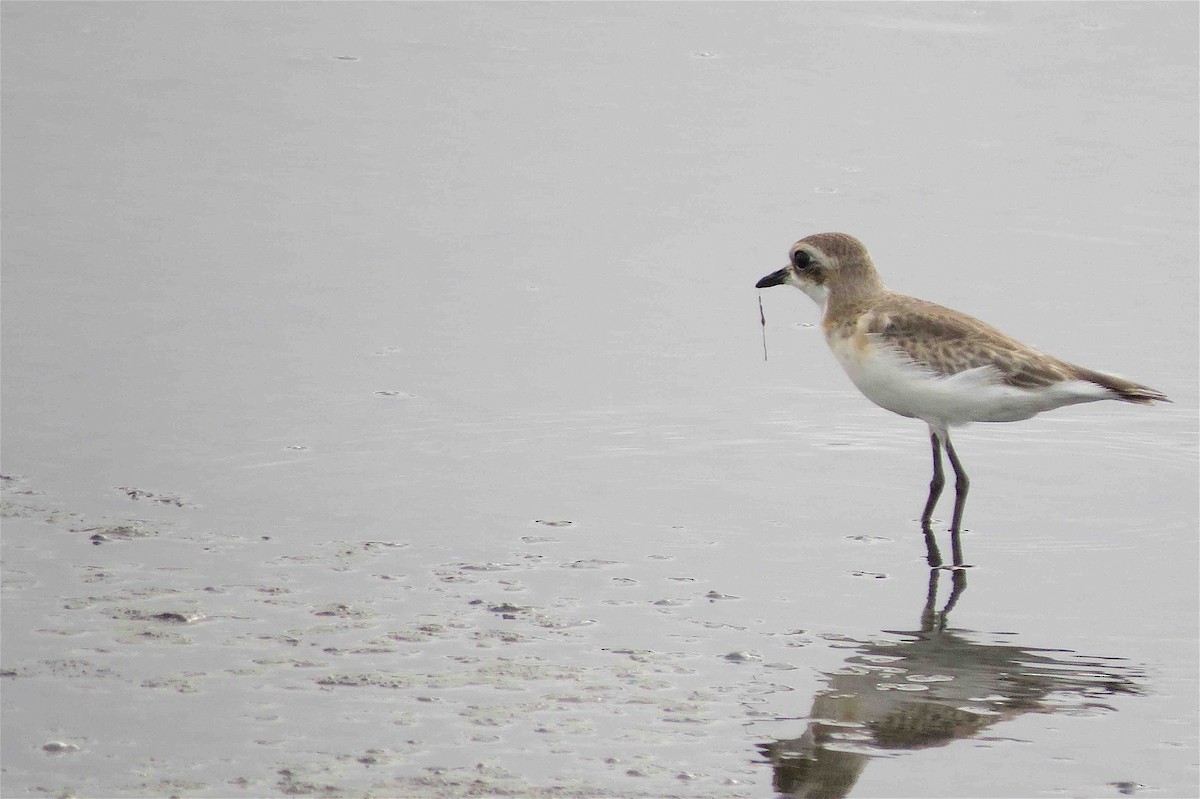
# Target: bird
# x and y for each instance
(925, 361)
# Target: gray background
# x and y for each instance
(319, 311)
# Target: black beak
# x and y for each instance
(773, 279)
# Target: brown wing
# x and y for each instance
(948, 342)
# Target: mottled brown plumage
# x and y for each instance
(947, 342)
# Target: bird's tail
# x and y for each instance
(1125, 390)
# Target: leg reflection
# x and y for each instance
(933, 620)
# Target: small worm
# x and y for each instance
(762, 317)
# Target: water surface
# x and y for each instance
(385, 410)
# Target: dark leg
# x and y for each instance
(936, 484)
(932, 556)
(961, 484)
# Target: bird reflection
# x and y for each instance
(932, 688)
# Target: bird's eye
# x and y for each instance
(801, 259)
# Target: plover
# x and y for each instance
(932, 363)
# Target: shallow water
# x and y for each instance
(385, 411)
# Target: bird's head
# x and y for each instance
(826, 263)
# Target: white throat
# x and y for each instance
(819, 293)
